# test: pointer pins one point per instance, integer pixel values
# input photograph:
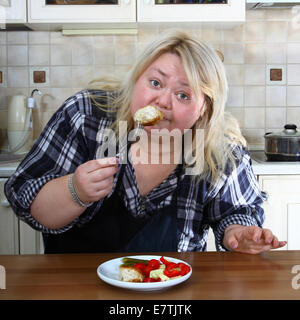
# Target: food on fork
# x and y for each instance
(148, 116)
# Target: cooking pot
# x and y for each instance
(284, 145)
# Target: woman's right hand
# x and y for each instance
(93, 180)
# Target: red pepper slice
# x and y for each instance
(164, 261)
(176, 269)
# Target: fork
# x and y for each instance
(137, 132)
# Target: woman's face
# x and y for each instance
(164, 84)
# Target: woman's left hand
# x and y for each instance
(250, 239)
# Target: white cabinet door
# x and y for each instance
(123, 11)
(282, 209)
(13, 11)
(152, 11)
(9, 239)
(30, 240)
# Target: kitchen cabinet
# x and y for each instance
(57, 14)
(186, 11)
(14, 11)
(9, 227)
(105, 11)
(282, 209)
(16, 237)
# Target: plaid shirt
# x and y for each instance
(73, 136)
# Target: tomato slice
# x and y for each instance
(140, 266)
(153, 264)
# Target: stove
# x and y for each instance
(260, 157)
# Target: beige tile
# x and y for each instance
(211, 34)
(293, 52)
(294, 30)
(60, 76)
(254, 137)
(147, 34)
(254, 118)
(255, 31)
(58, 38)
(38, 37)
(255, 15)
(235, 97)
(293, 74)
(293, 96)
(17, 55)
(275, 96)
(17, 37)
(255, 74)
(39, 55)
(17, 77)
(293, 116)
(125, 52)
(235, 34)
(60, 55)
(104, 53)
(235, 74)
(233, 52)
(3, 56)
(238, 114)
(255, 96)
(254, 53)
(276, 53)
(276, 31)
(82, 53)
(275, 14)
(275, 117)
(81, 76)
(103, 71)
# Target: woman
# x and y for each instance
(86, 204)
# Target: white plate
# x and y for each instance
(109, 273)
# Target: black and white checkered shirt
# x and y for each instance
(73, 136)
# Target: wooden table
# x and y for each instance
(216, 275)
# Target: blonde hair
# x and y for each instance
(206, 73)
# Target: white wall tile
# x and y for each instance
(255, 53)
(293, 52)
(293, 74)
(39, 55)
(275, 117)
(275, 96)
(60, 55)
(255, 74)
(255, 96)
(17, 55)
(293, 96)
(17, 77)
(275, 53)
(276, 31)
(293, 116)
(235, 96)
(254, 118)
(235, 74)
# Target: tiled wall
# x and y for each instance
(267, 38)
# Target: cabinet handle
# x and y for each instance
(5, 203)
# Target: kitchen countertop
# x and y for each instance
(259, 168)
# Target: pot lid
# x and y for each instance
(290, 131)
